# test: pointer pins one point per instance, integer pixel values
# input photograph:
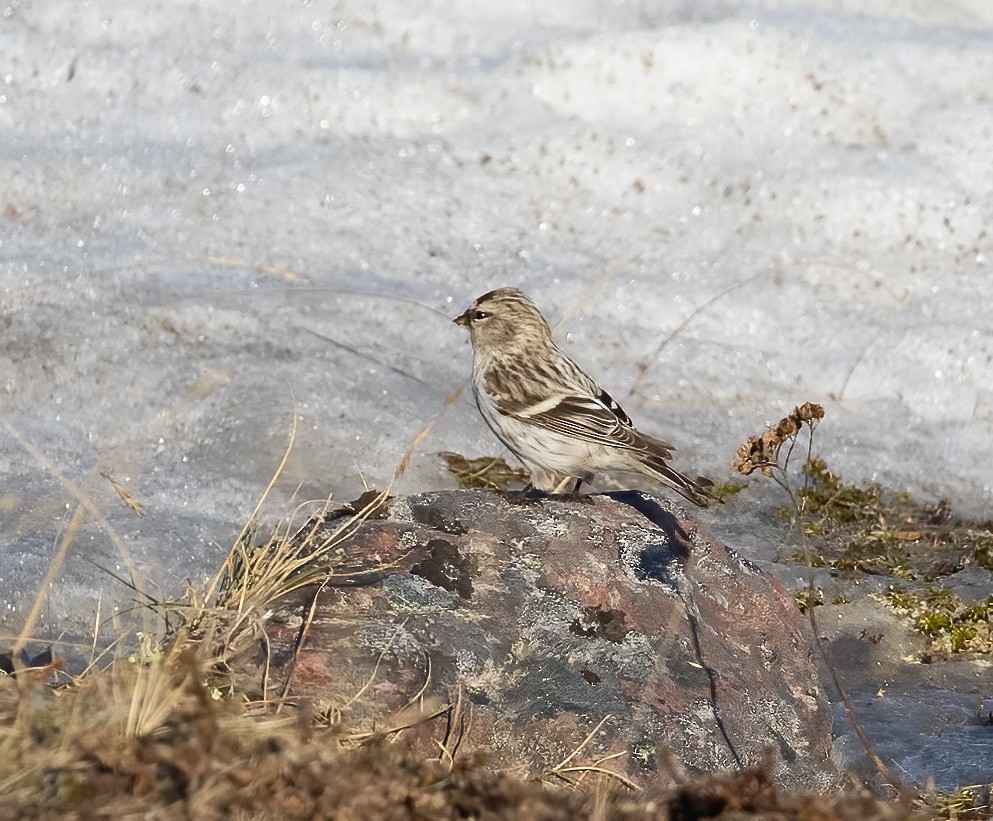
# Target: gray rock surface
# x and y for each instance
(540, 620)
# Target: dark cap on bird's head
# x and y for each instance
(502, 301)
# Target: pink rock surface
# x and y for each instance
(536, 622)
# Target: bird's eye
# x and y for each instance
(478, 315)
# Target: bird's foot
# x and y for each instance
(528, 495)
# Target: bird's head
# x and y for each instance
(504, 319)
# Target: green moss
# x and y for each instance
(952, 626)
(644, 753)
(982, 548)
(824, 495)
(942, 599)
(805, 558)
(724, 490)
(965, 803)
(486, 472)
(808, 598)
(901, 599)
(978, 611)
(934, 623)
(961, 636)
(866, 529)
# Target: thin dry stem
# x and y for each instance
(68, 537)
(627, 782)
(301, 640)
(375, 669)
(262, 499)
(562, 771)
(689, 318)
(587, 295)
(458, 718)
(850, 711)
(82, 498)
(268, 270)
(96, 630)
(582, 744)
(418, 696)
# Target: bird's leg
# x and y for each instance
(574, 495)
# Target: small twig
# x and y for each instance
(258, 506)
(68, 537)
(780, 477)
(627, 782)
(590, 292)
(82, 498)
(690, 317)
(375, 669)
(96, 630)
(298, 644)
(853, 716)
(584, 742)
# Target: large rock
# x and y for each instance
(538, 621)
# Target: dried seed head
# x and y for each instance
(809, 412)
(788, 426)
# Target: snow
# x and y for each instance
(215, 214)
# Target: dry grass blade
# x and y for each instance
(125, 494)
(459, 724)
(82, 499)
(582, 744)
(96, 631)
(95, 660)
(404, 720)
(587, 296)
(594, 768)
(68, 537)
(418, 697)
(563, 771)
(258, 506)
(690, 317)
(268, 270)
(156, 692)
(411, 449)
(375, 669)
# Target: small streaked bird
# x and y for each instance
(548, 411)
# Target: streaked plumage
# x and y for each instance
(548, 411)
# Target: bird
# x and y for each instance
(550, 413)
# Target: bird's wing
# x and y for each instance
(574, 405)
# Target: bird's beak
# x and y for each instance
(462, 319)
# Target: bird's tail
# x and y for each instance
(699, 490)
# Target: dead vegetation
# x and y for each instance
(151, 738)
(852, 529)
(865, 529)
(169, 732)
